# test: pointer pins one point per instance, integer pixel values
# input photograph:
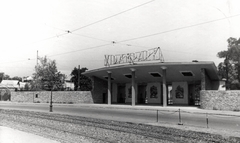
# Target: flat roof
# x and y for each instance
(176, 72)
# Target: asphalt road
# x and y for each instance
(138, 116)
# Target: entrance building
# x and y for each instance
(161, 83)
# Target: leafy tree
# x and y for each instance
(85, 82)
(6, 77)
(1, 76)
(16, 78)
(46, 76)
(230, 68)
(26, 87)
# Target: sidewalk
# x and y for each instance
(188, 109)
(9, 135)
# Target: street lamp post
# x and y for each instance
(51, 106)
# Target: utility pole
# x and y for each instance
(51, 106)
(79, 74)
(37, 67)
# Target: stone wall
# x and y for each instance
(73, 97)
(220, 100)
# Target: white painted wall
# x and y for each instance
(184, 100)
(154, 100)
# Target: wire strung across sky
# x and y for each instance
(136, 38)
(68, 31)
(120, 42)
(180, 28)
(112, 16)
(146, 36)
(65, 32)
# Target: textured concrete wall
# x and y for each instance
(99, 90)
(220, 100)
(57, 96)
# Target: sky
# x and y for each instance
(81, 32)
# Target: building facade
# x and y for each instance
(159, 83)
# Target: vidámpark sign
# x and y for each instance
(148, 55)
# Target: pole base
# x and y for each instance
(50, 110)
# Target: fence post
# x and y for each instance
(157, 115)
(207, 119)
(180, 120)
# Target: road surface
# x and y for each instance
(138, 116)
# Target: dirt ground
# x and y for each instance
(224, 133)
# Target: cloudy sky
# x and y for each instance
(81, 32)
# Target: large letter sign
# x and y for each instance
(149, 55)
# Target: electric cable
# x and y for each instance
(112, 16)
(141, 37)
(71, 31)
(180, 28)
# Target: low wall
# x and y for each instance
(220, 100)
(73, 97)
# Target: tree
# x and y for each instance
(16, 78)
(1, 76)
(230, 68)
(46, 76)
(6, 77)
(85, 82)
(26, 87)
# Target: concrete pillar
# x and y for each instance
(164, 82)
(133, 87)
(203, 79)
(109, 87)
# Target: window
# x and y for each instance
(128, 75)
(107, 78)
(187, 73)
(155, 74)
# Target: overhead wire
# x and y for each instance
(71, 31)
(150, 35)
(91, 37)
(48, 38)
(180, 28)
(68, 31)
(136, 38)
(79, 50)
(122, 41)
(112, 16)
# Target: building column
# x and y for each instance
(164, 82)
(133, 87)
(203, 79)
(109, 87)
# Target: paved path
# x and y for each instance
(191, 116)
(9, 135)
